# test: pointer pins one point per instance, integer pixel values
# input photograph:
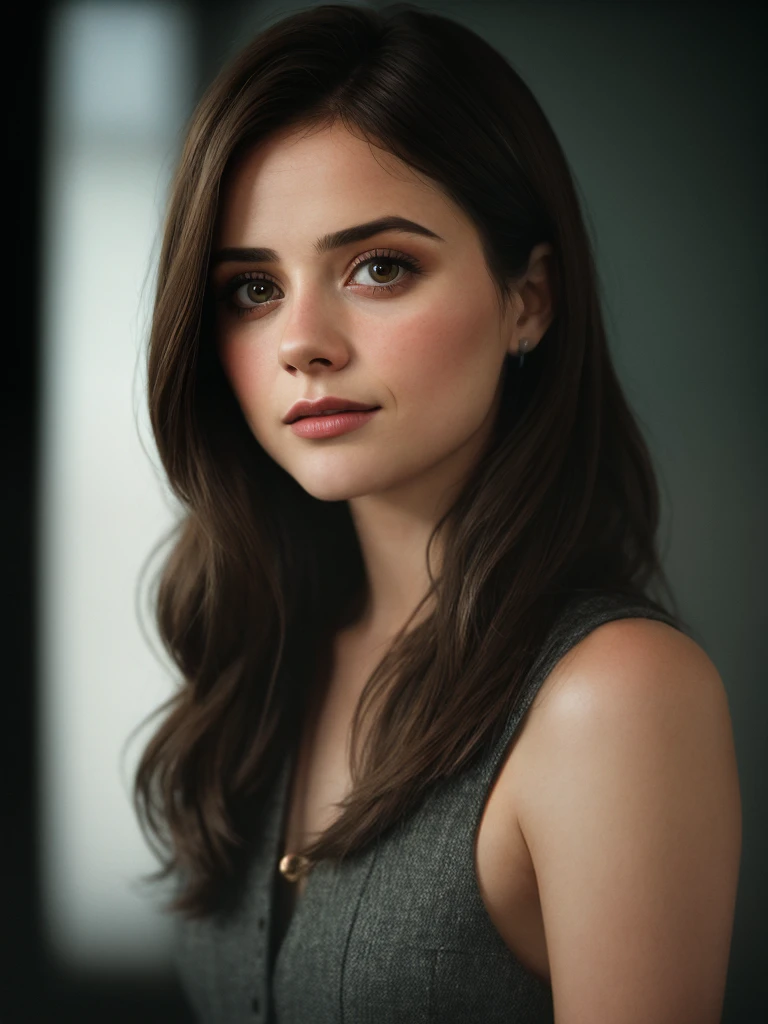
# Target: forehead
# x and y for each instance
(304, 182)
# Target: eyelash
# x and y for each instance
(399, 259)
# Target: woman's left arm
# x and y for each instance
(631, 809)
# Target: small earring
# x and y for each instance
(522, 348)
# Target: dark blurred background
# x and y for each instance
(661, 110)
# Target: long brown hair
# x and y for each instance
(563, 503)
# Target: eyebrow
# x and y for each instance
(326, 243)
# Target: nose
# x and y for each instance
(314, 336)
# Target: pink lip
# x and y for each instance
(327, 403)
(332, 425)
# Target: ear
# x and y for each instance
(533, 300)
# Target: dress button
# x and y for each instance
(255, 1005)
(292, 866)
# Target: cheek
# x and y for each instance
(240, 363)
(446, 358)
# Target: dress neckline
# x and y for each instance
(285, 901)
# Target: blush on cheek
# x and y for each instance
(446, 341)
(240, 368)
(444, 364)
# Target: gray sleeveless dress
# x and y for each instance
(396, 935)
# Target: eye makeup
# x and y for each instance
(234, 293)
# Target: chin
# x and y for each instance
(331, 480)
(334, 490)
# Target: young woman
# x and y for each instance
(438, 754)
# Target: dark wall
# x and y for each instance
(660, 107)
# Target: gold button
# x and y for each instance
(292, 865)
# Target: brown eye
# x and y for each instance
(383, 271)
(254, 293)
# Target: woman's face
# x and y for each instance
(301, 323)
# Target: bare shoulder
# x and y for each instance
(628, 800)
(632, 664)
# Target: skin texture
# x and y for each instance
(627, 795)
(625, 790)
(430, 354)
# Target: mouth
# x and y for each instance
(337, 412)
(324, 425)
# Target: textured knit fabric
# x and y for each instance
(396, 935)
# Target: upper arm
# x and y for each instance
(630, 808)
